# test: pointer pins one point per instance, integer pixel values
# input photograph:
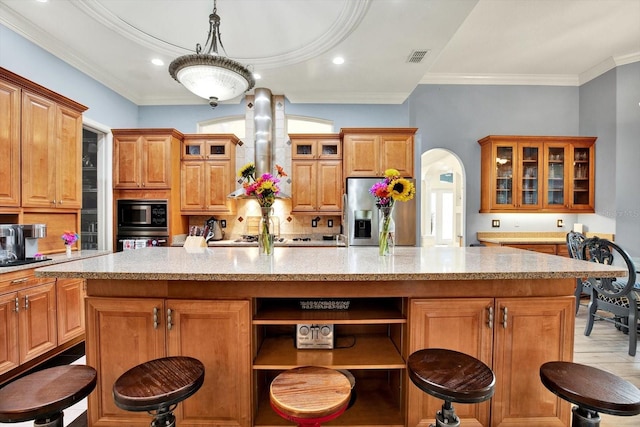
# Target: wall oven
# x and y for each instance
(142, 220)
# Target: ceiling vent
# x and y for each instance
(417, 56)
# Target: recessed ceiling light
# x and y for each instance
(338, 60)
(157, 61)
(257, 76)
(42, 1)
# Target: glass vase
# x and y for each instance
(68, 250)
(266, 236)
(387, 231)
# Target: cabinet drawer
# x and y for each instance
(17, 280)
(545, 249)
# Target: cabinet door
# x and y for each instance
(581, 177)
(38, 151)
(528, 333)
(9, 355)
(124, 333)
(216, 333)
(156, 167)
(303, 185)
(126, 161)
(217, 179)
(329, 186)
(70, 312)
(529, 173)
(9, 145)
(192, 186)
(37, 321)
(503, 182)
(69, 159)
(557, 176)
(456, 324)
(396, 152)
(361, 155)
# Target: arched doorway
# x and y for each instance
(443, 199)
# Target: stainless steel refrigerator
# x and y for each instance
(360, 215)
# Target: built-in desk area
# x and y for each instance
(237, 312)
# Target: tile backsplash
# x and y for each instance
(248, 214)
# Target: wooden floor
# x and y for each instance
(607, 348)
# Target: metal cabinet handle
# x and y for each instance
(155, 318)
(17, 308)
(490, 317)
(504, 317)
(26, 302)
(169, 319)
(22, 280)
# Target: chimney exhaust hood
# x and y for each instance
(263, 114)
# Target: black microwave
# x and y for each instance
(137, 215)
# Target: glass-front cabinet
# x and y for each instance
(537, 174)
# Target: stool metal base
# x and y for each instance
(446, 417)
(55, 420)
(584, 417)
(164, 417)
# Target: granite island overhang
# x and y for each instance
(237, 312)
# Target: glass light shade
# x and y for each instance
(211, 76)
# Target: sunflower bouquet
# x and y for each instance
(386, 192)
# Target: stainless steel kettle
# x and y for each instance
(215, 232)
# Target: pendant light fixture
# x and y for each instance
(209, 75)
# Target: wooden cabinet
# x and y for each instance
(367, 341)
(207, 172)
(215, 332)
(10, 96)
(51, 154)
(316, 173)
(70, 308)
(514, 336)
(145, 158)
(537, 174)
(368, 152)
(28, 316)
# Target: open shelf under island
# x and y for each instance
(238, 311)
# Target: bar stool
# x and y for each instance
(43, 395)
(592, 390)
(310, 395)
(159, 385)
(453, 377)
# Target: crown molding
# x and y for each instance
(608, 64)
(501, 79)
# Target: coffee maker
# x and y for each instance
(19, 242)
(7, 243)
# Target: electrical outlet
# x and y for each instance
(495, 223)
(329, 223)
(560, 223)
(314, 222)
(223, 223)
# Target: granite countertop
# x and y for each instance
(53, 259)
(531, 237)
(327, 264)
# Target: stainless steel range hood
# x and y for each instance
(263, 121)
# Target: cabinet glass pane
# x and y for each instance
(530, 174)
(217, 150)
(89, 213)
(330, 150)
(304, 149)
(504, 175)
(192, 150)
(555, 185)
(581, 176)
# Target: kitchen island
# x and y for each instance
(238, 313)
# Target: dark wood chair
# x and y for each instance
(310, 395)
(574, 247)
(592, 391)
(617, 296)
(453, 377)
(43, 395)
(157, 386)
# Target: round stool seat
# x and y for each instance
(591, 388)
(451, 376)
(310, 394)
(45, 394)
(158, 383)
